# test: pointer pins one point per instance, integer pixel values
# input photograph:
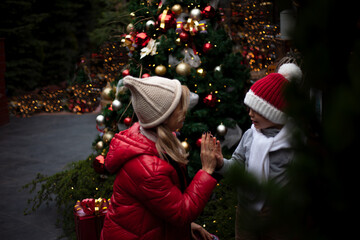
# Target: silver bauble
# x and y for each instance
(116, 105)
(221, 130)
(100, 120)
(149, 23)
(195, 14)
(217, 69)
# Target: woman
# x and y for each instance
(152, 197)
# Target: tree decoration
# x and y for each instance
(178, 41)
(116, 105)
(207, 47)
(99, 164)
(210, 100)
(100, 120)
(142, 39)
(195, 14)
(130, 28)
(221, 130)
(201, 72)
(106, 93)
(176, 9)
(183, 69)
(145, 75)
(149, 23)
(160, 70)
(184, 37)
(99, 145)
(186, 145)
(125, 72)
(208, 12)
(198, 142)
(166, 21)
(150, 49)
(191, 26)
(127, 121)
(108, 136)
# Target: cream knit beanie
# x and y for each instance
(153, 98)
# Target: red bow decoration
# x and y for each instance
(90, 206)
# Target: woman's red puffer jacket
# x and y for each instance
(147, 202)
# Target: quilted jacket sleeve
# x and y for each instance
(161, 196)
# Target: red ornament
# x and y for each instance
(208, 12)
(184, 37)
(145, 75)
(207, 47)
(166, 20)
(99, 164)
(127, 121)
(142, 39)
(198, 142)
(210, 100)
(125, 72)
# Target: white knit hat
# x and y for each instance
(153, 98)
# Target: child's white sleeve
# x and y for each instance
(238, 156)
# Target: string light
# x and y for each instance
(257, 33)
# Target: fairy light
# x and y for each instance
(258, 33)
(79, 98)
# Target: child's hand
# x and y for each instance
(218, 155)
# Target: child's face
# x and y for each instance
(260, 122)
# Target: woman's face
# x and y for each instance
(176, 119)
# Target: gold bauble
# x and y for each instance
(106, 92)
(186, 145)
(160, 70)
(108, 136)
(130, 28)
(99, 145)
(176, 9)
(201, 72)
(183, 69)
(122, 90)
(178, 41)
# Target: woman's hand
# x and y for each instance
(207, 154)
(199, 233)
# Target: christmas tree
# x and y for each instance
(177, 40)
(184, 41)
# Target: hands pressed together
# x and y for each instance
(211, 155)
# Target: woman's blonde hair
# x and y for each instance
(167, 143)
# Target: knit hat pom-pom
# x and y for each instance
(291, 72)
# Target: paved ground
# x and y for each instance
(39, 144)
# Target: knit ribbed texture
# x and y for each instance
(266, 96)
(153, 98)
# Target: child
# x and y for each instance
(265, 149)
